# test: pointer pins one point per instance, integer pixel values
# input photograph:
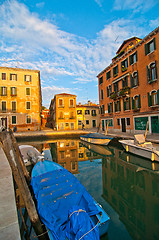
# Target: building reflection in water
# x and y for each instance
(131, 187)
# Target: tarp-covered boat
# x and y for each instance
(96, 138)
(65, 206)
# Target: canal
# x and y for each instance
(126, 186)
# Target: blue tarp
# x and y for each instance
(96, 136)
(56, 193)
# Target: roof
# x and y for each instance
(65, 94)
(19, 69)
(126, 41)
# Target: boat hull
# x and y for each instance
(96, 141)
(139, 150)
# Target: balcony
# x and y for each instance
(124, 91)
(113, 95)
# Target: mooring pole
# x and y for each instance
(8, 148)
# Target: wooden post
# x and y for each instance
(8, 148)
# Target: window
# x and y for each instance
(118, 121)
(102, 109)
(72, 125)
(125, 82)
(134, 79)
(60, 102)
(13, 77)
(110, 122)
(87, 122)
(126, 104)
(13, 91)
(87, 112)
(3, 91)
(13, 106)
(28, 119)
(101, 94)
(79, 122)
(66, 124)
(79, 112)
(101, 80)
(152, 72)
(71, 103)
(117, 106)
(110, 107)
(109, 90)
(116, 86)
(150, 46)
(80, 155)
(128, 121)
(27, 91)
(4, 106)
(108, 75)
(93, 112)
(133, 58)
(124, 65)
(136, 103)
(3, 76)
(73, 166)
(115, 71)
(61, 115)
(27, 78)
(153, 98)
(28, 105)
(72, 115)
(14, 119)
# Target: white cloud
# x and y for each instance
(40, 5)
(99, 2)
(140, 5)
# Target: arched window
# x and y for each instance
(153, 71)
(154, 98)
(135, 79)
(61, 115)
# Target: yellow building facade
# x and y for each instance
(20, 99)
(63, 112)
(88, 115)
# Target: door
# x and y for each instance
(102, 125)
(123, 124)
(155, 124)
(94, 123)
(4, 122)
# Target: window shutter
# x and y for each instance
(1, 91)
(113, 71)
(154, 42)
(119, 105)
(139, 103)
(158, 97)
(107, 92)
(124, 105)
(10, 90)
(129, 104)
(156, 68)
(15, 91)
(117, 69)
(136, 55)
(130, 59)
(146, 49)
(126, 62)
(111, 107)
(149, 99)
(148, 74)
(133, 103)
(131, 81)
(137, 79)
(115, 106)
(108, 108)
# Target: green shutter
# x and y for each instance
(131, 81)
(108, 108)
(146, 49)
(139, 102)
(119, 105)
(149, 99)
(130, 59)
(115, 106)
(129, 104)
(1, 91)
(156, 68)
(158, 97)
(148, 74)
(107, 92)
(137, 79)
(124, 105)
(136, 55)
(154, 42)
(16, 91)
(10, 90)
(133, 103)
(112, 107)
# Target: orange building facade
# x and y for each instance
(63, 112)
(129, 87)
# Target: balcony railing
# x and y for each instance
(124, 91)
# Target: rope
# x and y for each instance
(78, 211)
(40, 234)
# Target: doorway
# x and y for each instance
(123, 124)
(4, 122)
(93, 123)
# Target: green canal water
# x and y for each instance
(126, 186)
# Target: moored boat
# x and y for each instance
(96, 138)
(140, 147)
(65, 206)
(30, 154)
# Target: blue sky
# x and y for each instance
(70, 41)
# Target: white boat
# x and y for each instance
(30, 154)
(96, 138)
(141, 148)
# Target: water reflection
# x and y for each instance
(127, 183)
